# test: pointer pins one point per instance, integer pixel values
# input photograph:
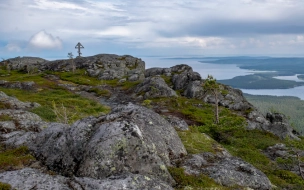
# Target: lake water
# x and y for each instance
(221, 72)
(293, 78)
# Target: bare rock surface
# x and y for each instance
(183, 76)
(287, 158)
(131, 139)
(21, 127)
(21, 63)
(130, 181)
(102, 66)
(155, 87)
(28, 178)
(13, 103)
(227, 170)
(28, 85)
(177, 122)
(280, 126)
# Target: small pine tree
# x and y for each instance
(71, 57)
(212, 86)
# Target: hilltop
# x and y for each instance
(106, 122)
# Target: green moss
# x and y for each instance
(72, 102)
(101, 92)
(15, 158)
(113, 82)
(79, 77)
(189, 181)
(224, 92)
(295, 143)
(4, 105)
(197, 142)
(289, 177)
(45, 112)
(287, 162)
(147, 103)
(4, 186)
(22, 77)
(5, 118)
(167, 79)
(129, 84)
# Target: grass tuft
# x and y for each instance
(15, 158)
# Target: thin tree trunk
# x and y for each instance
(299, 164)
(216, 108)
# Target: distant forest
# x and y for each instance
(292, 107)
(260, 81)
(264, 80)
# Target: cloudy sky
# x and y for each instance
(52, 28)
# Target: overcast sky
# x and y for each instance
(52, 28)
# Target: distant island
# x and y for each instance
(265, 80)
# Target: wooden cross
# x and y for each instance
(79, 45)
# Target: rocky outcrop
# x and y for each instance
(286, 158)
(131, 139)
(194, 90)
(20, 127)
(280, 127)
(9, 102)
(191, 85)
(29, 178)
(102, 66)
(177, 123)
(154, 87)
(274, 123)
(184, 75)
(181, 75)
(22, 63)
(30, 85)
(17, 126)
(227, 170)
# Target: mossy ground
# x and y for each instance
(49, 92)
(14, 158)
(185, 181)
(230, 133)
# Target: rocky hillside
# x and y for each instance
(104, 122)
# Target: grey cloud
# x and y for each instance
(235, 28)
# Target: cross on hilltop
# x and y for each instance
(79, 45)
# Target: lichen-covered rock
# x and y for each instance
(29, 85)
(285, 157)
(227, 170)
(177, 122)
(20, 128)
(280, 127)
(127, 181)
(155, 87)
(156, 128)
(13, 103)
(29, 178)
(182, 80)
(102, 66)
(194, 89)
(182, 75)
(24, 120)
(22, 63)
(158, 71)
(17, 138)
(132, 139)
